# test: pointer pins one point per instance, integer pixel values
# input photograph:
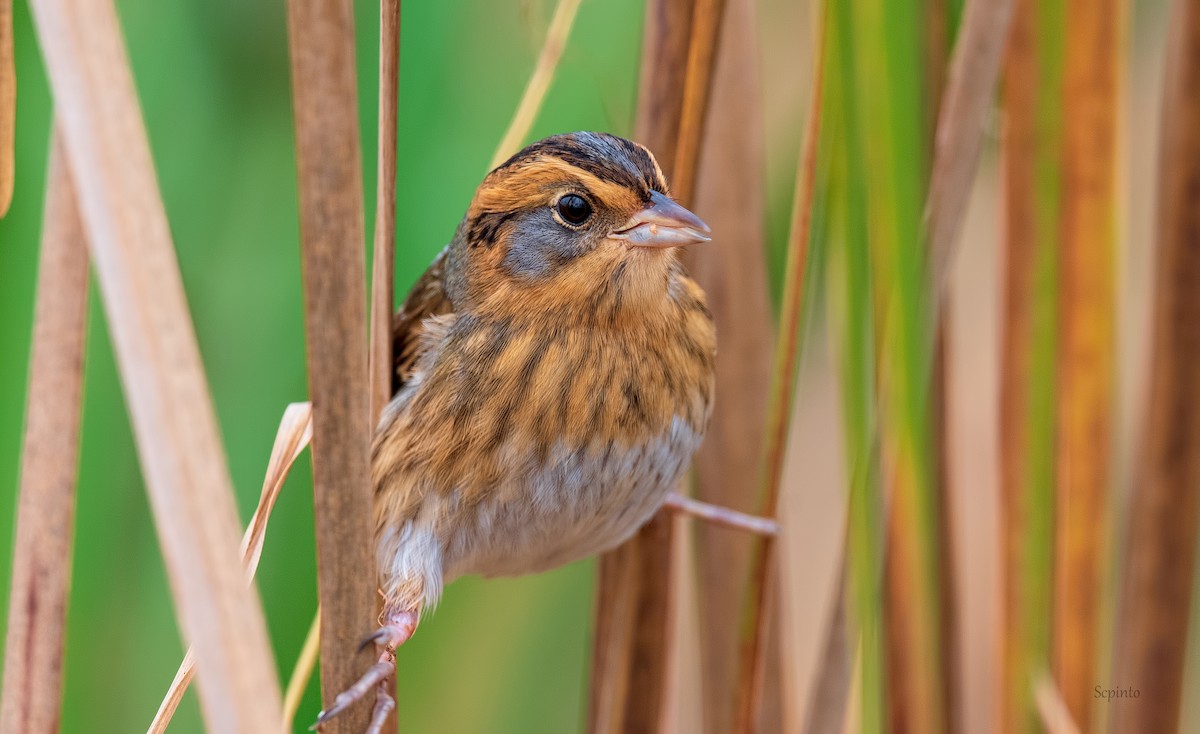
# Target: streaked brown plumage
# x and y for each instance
(554, 376)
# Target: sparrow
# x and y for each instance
(554, 373)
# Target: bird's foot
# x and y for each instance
(398, 628)
(722, 516)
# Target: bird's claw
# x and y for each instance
(384, 703)
(399, 628)
(374, 675)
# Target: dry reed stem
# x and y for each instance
(8, 107)
(1087, 347)
(176, 430)
(293, 435)
(381, 334)
(614, 618)
(830, 692)
(1052, 709)
(666, 42)
(962, 120)
(702, 52)
(321, 46)
(383, 268)
(302, 672)
(1027, 443)
(539, 82)
(730, 195)
(787, 356)
(635, 592)
(1157, 592)
(41, 578)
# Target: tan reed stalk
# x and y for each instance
(539, 82)
(1087, 344)
(1052, 709)
(321, 46)
(707, 16)
(8, 107)
(1032, 144)
(632, 655)
(293, 435)
(730, 196)
(962, 121)
(1164, 510)
(383, 265)
(958, 136)
(381, 329)
(184, 464)
(787, 358)
(306, 662)
(829, 696)
(41, 580)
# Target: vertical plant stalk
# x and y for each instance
(962, 121)
(1164, 510)
(634, 610)
(958, 136)
(1052, 709)
(787, 360)
(730, 196)
(706, 23)
(187, 478)
(383, 265)
(302, 672)
(1028, 443)
(321, 46)
(539, 83)
(1087, 351)
(827, 699)
(633, 583)
(8, 107)
(41, 580)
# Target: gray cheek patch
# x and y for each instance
(538, 245)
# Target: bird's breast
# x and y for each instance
(576, 502)
(520, 445)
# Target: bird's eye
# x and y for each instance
(574, 209)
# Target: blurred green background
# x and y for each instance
(213, 79)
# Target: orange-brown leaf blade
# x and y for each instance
(1087, 347)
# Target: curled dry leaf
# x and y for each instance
(294, 434)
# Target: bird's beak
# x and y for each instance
(663, 224)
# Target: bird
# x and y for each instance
(554, 375)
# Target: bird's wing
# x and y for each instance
(427, 298)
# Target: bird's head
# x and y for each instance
(567, 217)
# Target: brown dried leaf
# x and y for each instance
(294, 434)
